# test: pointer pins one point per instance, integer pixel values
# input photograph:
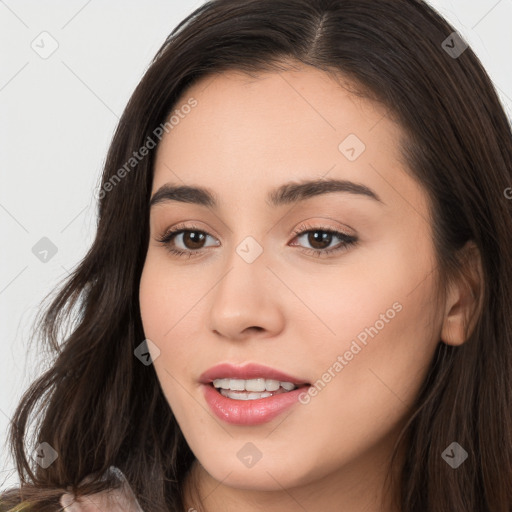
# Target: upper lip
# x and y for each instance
(247, 371)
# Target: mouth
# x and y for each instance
(253, 389)
(251, 401)
(251, 381)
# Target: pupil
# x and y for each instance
(194, 235)
(323, 242)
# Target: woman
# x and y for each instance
(298, 297)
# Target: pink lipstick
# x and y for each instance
(251, 394)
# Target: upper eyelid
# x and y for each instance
(346, 240)
(298, 232)
(317, 224)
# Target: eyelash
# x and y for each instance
(346, 240)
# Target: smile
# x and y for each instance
(251, 389)
(251, 394)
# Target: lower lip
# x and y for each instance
(249, 412)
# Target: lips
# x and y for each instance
(246, 372)
(252, 411)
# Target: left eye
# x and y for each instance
(198, 236)
(321, 238)
(193, 240)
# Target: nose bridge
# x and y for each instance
(245, 270)
(243, 296)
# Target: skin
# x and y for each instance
(287, 309)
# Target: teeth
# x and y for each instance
(236, 385)
(254, 385)
(221, 383)
(244, 396)
(273, 385)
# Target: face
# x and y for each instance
(334, 289)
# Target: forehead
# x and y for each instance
(248, 134)
(293, 104)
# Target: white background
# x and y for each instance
(57, 117)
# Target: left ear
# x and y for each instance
(464, 298)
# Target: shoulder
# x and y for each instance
(111, 501)
(114, 500)
(98, 502)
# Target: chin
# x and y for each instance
(255, 480)
(270, 475)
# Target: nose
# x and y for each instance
(247, 300)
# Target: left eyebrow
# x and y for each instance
(285, 194)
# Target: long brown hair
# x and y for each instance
(99, 406)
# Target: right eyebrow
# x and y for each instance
(284, 194)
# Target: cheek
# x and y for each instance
(167, 296)
(164, 303)
(379, 313)
(173, 319)
(383, 365)
(369, 391)
(385, 291)
(152, 301)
